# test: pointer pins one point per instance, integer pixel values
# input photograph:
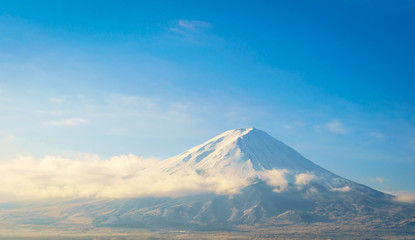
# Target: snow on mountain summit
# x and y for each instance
(250, 147)
(237, 157)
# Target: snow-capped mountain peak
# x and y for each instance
(248, 148)
(240, 156)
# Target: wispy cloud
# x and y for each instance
(294, 125)
(336, 127)
(380, 180)
(68, 122)
(191, 30)
(11, 139)
(377, 135)
(131, 101)
(343, 189)
(184, 26)
(57, 100)
(193, 25)
(118, 131)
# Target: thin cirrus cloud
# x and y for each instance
(336, 127)
(185, 26)
(192, 31)
(377, 135)
(68, 122)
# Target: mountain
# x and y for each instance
(250, 147)
(251, 180)
(259, 181)
(247, 153)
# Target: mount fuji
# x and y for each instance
(258, 181)
(249, 179)
(249, 154)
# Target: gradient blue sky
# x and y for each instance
(333, 79)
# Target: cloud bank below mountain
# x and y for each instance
(124, 176)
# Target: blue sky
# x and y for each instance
(332, 79)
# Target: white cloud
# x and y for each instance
(377, 135)
(68, 122)
(192, 31)
(343, 189)
(380, 180)
(90, 176)
(294, 125)
(303, 178)
(11, 139)
(336, 127)
(125, 176)
(192, 25)
(56, 100)
(405, 197)
(118, 100)
(275, 178)
(118, 131)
